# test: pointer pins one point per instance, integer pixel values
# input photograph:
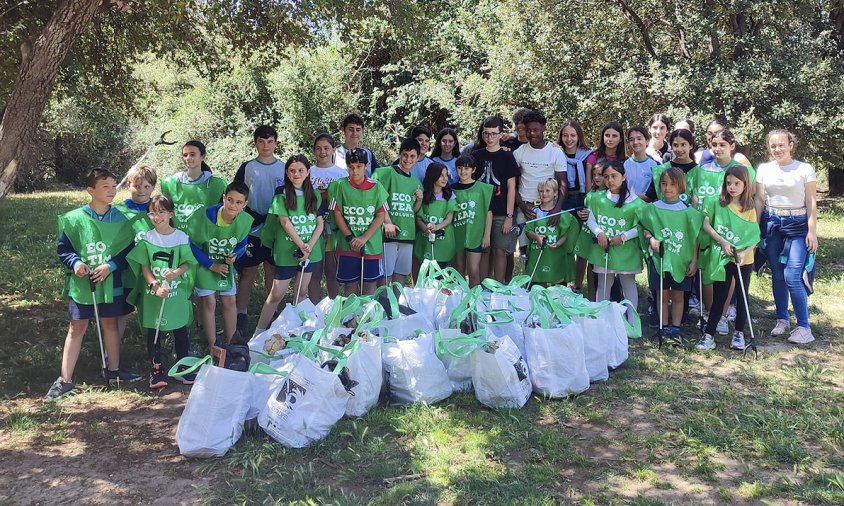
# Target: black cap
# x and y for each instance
(357, 155)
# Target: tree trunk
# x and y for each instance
(835, 179)
(35, 81)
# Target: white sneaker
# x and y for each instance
(737, 342)
(780, 328)
(731, 313)
(722, 327)
(706, 343)
(801, 335)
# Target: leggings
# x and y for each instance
(180, 336)
(720, 290)
(628, 287)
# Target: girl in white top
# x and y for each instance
(786, 190)
(322, 174)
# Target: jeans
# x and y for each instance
(787, 277)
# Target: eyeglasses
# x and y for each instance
(491, 134)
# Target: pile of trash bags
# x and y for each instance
(319, 363)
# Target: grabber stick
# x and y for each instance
(538, 258)
(158, 142)
(302, 268)
(99, 328)
(158, 325)
(751, 344)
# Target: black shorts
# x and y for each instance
(285, 272)
(476, 250)
(118, 307)
(256, 254)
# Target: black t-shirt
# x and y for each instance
(512, 143)
(496, 168)
(685, 167)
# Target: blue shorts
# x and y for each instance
(256, 254)
(118, 307)
(348, 269)
(285, 272)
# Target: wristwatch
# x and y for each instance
(350, 237)
(509, 216)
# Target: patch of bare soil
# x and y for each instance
(98, 448)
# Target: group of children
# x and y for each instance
(350, 222)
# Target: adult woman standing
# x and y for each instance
(786, 190)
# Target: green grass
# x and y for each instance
(671, 426)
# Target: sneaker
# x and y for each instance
(780, 328)
(242, 322)
(731, 313)
(115, 378)
(186, 379)
(706, 343)
(722, 327)
(157, 378)
(801, 335)
(694, 307)
(737, 342)
(672, 335)
(59, 389)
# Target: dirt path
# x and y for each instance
(117, 448)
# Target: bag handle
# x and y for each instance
(517, 282)
(191, 364)
(634, 329)
(460, 346)
(428, 274)
(500, 317)
(452, 276)
(342, 307)
(262, 368)
(466, 306)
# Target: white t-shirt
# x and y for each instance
(537, 165)
(785, 187)
(639, 174)
(321, 177)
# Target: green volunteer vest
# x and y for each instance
(585, 246)
(95, 242)
(218, 243)
(625, 257)
(178, 310)
(685, 197)
(140, 221)
(555, 264)
(400, 199)
(274, 237)
(358, 208)
(707, 183)
(469, 221)
(189, 198)
(736, 230)
(436, 213)
(678, 231)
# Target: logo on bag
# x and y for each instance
(291, 393)
(521, 369)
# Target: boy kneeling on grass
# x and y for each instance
(93, 243)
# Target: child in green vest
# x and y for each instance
(473, 222)
(294, 233)
(434, 233)
(708, 180)
(613, 221)
(732, 224)
(218, 238)
(405, 197)
(586, 242)
(164, 261)
(556, 263)
(359, 205)
(93, 243)
(193, 188)
(671, 226)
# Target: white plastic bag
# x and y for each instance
(596, 343)
(615, 319)
(556, 360)
(305, 406)
(414, 372)
(213, 418)
(266, 379)
(454, 349)
(500, 375)
(501, 327)
(363, 360)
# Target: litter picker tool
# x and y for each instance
(99, 328)
(165, 285)
(538, 258)
(518, 228)
(159, 142)
(302, 267)
(751, 344)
